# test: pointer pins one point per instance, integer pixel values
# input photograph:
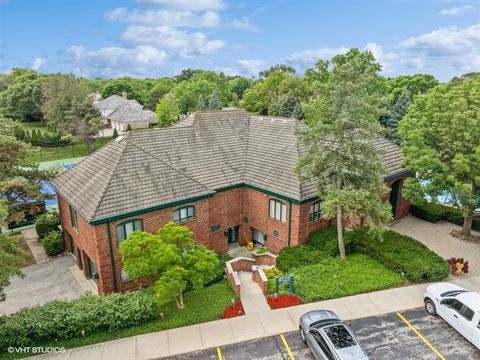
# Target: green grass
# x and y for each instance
(333, 278)
(43, 153)
(202, 305)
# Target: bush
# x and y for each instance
(402, 254)
(46, 223)
(65, 319)
(53, 243)
(326, 240)
(428, 211)
(223, 257)
(293, 257)
(333, 277)
(261, 251)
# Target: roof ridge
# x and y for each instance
(297, 141)
(245, 156)
(172, 167)
(97, 205)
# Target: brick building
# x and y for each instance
(227, 175)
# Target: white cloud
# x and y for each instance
(38, 63)
(192, 5)
(164, 37)
(163, 17)
(455, 11)
(387, 60)
(251, 67)
(244, 24)
(116, 61)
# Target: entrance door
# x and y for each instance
(91, 269)
(72, 245)
(394, 196)
(258, 236)
(232, 234)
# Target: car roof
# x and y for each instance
(319, 315)
(470, 299)
(343, 340)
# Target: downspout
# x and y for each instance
(289, 222)
(114, 273)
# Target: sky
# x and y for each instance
(153, 38)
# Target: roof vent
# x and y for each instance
(119, 138)
(284, 121)
(272, 120)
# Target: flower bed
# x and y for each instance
(233, 310)
(282, 301)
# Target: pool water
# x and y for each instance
(48, 188)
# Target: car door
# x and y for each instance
(322, 348)
(466, 322)
(451, 312)
(476, 330)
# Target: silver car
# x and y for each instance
(329, 338)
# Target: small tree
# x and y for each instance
(214, 103)
(169, 260)
(398, 111)
(11, 258)
(115, 134)
(201, 103)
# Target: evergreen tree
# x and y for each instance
(399, 109)
(115, 134)
(288, 105)
(214, 103)
(201, 103)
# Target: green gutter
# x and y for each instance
(289, 222)
(112, 257)
(265, 191)
(400, 173)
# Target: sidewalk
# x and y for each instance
(252, 297)
(248, 327)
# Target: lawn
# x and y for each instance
(44, 153)
(332, 277)
(202, 305)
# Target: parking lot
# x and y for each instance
(384, 337)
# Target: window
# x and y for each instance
(453, 303)
(315, 214)
(73, 217)
(467, 313)
(184, 214)
(323, 345)
(278, 210)
(215, 228)
(276, 233)
(123, 275)
(126, 228)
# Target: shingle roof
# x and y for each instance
(130, 112)
(206, 152)
(113, 102)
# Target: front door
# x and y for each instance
(232, 235)
(91, 269)
(394, 196)
(258, 236)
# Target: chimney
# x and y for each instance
(124, 94)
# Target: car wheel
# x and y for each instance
(430, 307)
(302, 335)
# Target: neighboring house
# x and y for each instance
(227, 175)
(119, 112)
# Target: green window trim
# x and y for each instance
(277, 210)
(314, 213)
(73, 217)
(183, 214)
(215, 228)
(124, 229)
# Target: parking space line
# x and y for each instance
(287, 347)
(420, 336)
(219, 354)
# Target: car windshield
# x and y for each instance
(340, 336)
(452, 293)
(322, 323)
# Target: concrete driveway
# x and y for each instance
(43, 282)
(437, 238)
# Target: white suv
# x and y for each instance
(457, 306)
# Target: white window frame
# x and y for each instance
(277, 210)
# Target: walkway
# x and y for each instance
(251, 295)
(248, 327)
(31, 238)
(437, 238)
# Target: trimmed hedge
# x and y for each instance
(434, 212)
(66, 319)
(53, 243)
(46, 223)
(326, 240)
(402, 254)
(333, 277)
(293, 257)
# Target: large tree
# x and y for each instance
(441, 143)
(84, 121)
(397, 112)
(132, 88)
(11, 258)
(342, 123)
(169, 260)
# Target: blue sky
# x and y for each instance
(151, 38)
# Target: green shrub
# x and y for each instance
(428, 211)
(326, 240)
(271, 273)
(333, 277)
(402, 254)
(223, 257)
(46, 223)
(261, 251)
(53, 243)
(65, 319)
(292, 257)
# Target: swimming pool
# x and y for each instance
(47, 188)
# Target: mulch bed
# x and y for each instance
(233, 310)
(282, 301)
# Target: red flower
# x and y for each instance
(281, 301)
(234, 309)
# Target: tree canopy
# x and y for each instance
(441, 143)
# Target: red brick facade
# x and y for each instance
(242, 208)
